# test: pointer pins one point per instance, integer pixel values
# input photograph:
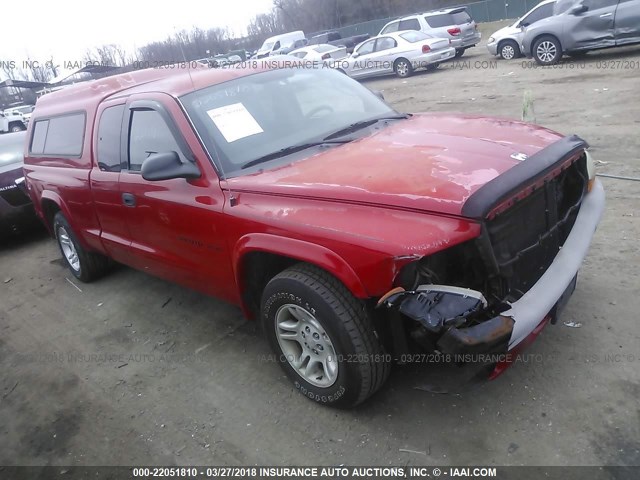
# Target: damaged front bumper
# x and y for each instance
(434, 307)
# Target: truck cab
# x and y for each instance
(332, 219)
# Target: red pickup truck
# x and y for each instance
(356, 234)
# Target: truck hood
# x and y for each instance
(430, 162)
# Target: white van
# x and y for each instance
(276, 43)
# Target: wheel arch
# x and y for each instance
(51, 203)
(258, 257)
(395, 62)
(511, 40)
(18, 123)
(541, 35)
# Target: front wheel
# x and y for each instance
(84, 265)
(322, 337)
(403, 68)
(16, 127)
(547, 51)
(509, 50)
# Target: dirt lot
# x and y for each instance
(133, 370)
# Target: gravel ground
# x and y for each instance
(133, 370)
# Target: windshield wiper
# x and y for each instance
(289, 150)
(364, 124)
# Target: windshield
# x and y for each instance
(12, 148)
(258, 115)
(267, 46)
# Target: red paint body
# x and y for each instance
(360, 211)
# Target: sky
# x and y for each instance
(66, 29)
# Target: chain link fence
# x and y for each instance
(484, 11)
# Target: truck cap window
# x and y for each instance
(59, 136)
(109, 132)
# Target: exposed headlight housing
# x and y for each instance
(591, 170)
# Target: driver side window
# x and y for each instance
(367, 47)
(538, 14)
(149, 134)
(385, 43)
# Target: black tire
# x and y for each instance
(460, 52)
(91, 265)
(362, 365)
(508, 50)
(432, 67)
(16, 127)
(547, 50)
(403, 68)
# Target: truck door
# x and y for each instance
(176, 226)
(104, 181)
(627, 22)
(592, 28)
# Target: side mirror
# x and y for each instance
(166, 166)
(355, 55)
(578, 9)
(524, 24)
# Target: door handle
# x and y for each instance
(129, 199)
(606, 15)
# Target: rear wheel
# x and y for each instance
(547, 50)
(509, 50)
(16, 127)
(403, 68)
(322, 337)
(85, 266)
(460, 52)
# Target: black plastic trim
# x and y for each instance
(509, 183)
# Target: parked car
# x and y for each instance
(11, 123)
(320, 53)
(454, 24)
(401, 53)
(579, 26)
(23, 111)
(335, 38)
(354, 233)
(506, 41)
(16, 209)
(290, 47)
(277, 44)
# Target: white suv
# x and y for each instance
(23, 110)
(11, 123)
(453, 23)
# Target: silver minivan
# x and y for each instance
(454, 24)
(578, 26)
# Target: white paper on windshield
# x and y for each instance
(234, 122)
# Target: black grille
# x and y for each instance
(15, 197)
(526, 237)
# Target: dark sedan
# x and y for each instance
(16, 210)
